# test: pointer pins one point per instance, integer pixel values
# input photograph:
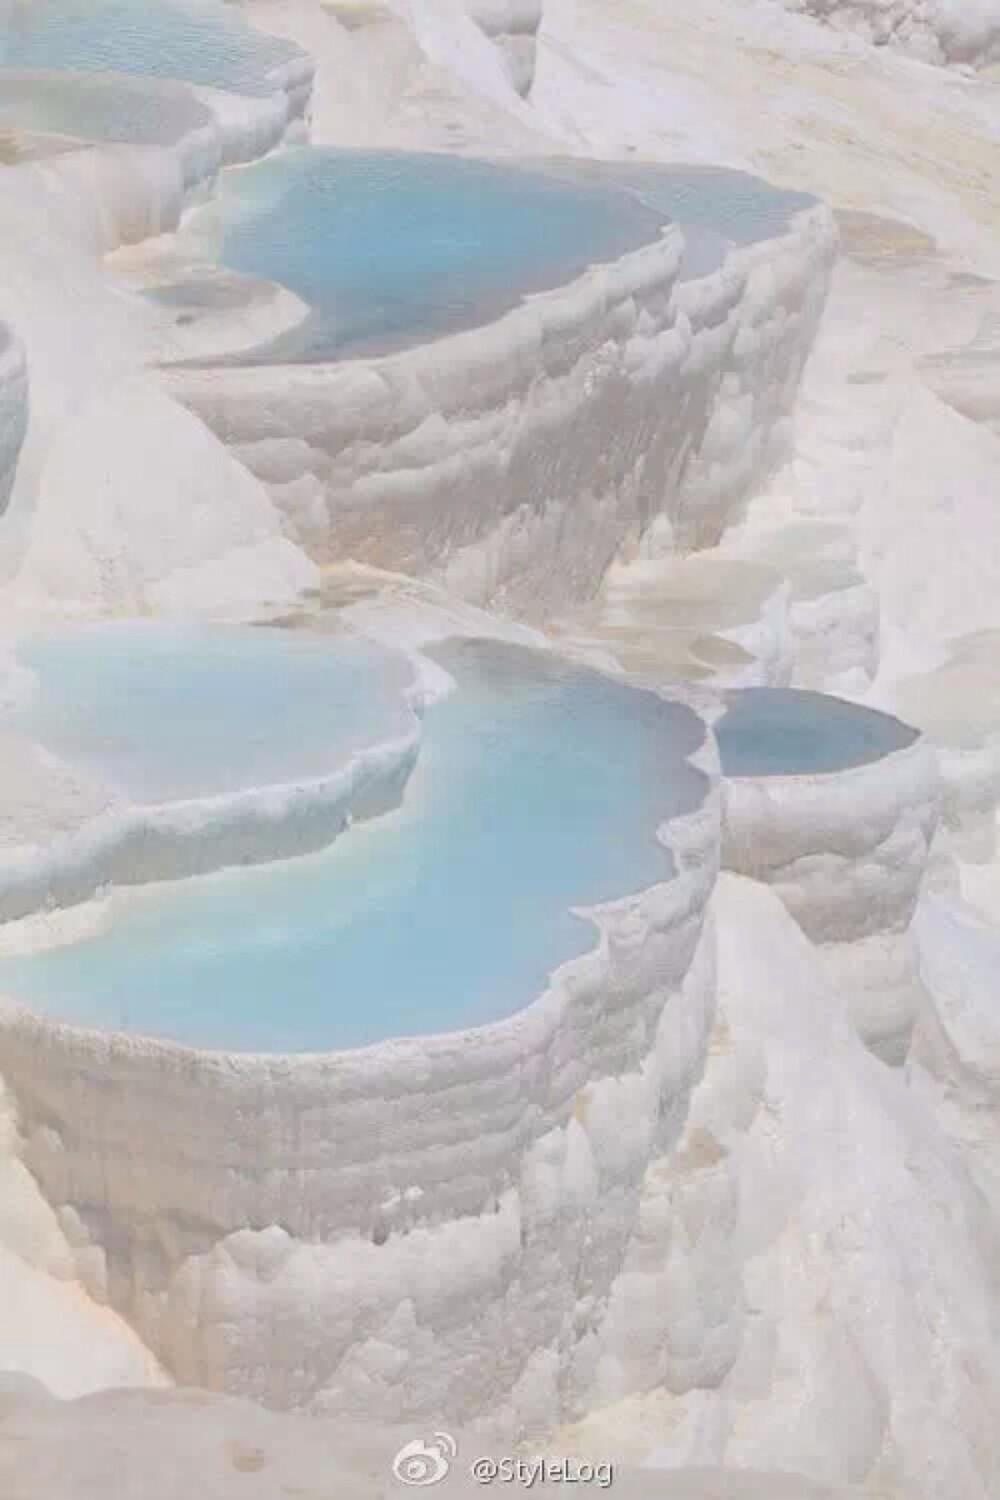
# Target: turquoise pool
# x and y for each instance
(390, 248)
(539, 788)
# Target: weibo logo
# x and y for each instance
(424, 1462)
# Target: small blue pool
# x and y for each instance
(539, 788)
(167, 712)
(184, 39)
(742, 208)
(792, 732)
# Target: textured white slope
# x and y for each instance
(139, 508)
(881, 1216)
(930, 533)
(958, 1041)
(861, 1261)
(939, 31)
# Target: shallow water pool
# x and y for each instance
(165, 712)
(390, 248)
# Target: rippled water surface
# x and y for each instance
(163, 38)
(389, 248)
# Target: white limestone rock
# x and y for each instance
(139, 507)
(13, 408)
(438, 1221)
(831, 1260)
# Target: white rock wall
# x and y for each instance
(511, 463)
(416, 1227)
(846, 853)
(13, 408)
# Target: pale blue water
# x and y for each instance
(788, 731)
(195, 42)
(94, 108)
(172, 711)
(736, 205)
(715, 207)
(390, 248)
(539, 787)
